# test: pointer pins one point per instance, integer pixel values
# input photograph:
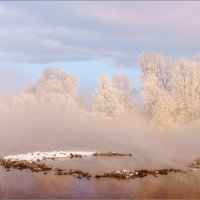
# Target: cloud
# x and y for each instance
(45, 32)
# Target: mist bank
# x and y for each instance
(51, 114)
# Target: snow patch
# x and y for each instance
(34, 157)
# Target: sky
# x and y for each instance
(88, 38)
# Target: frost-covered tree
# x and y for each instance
(122, 84)
(150, 93)
(112, 97)
(153, 63)
(164, 112)
(26, 101)
(58, 89)
(185, 87)
(54, 90)
(105, 96)
(156, 76)
(57, 82)
(171, 90)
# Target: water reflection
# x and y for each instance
(24, 184)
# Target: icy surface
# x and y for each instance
(36, 156)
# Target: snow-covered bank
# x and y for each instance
(33, 157)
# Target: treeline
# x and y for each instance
(169, 95)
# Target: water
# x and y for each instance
(150, 151)
(25, 184)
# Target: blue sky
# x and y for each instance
(18, 75)
(88, 38)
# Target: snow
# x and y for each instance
(193, 169)
(33, 157)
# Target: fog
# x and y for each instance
(50, 115)
(22, 131)
(151, 148)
